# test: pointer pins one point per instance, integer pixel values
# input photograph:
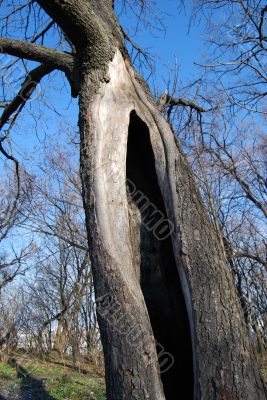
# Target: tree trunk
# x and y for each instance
(60, 341)
(161, 277)
(170, 318)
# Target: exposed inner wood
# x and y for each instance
(155, 264)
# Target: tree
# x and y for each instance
(61, 283)
(58, 296)
(14, 259)
(161, 278)
(230, 171)
(63, 274)
(11, 310)
(239, 43)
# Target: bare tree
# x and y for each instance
(160, 274)
(60, 301)
(11, 311)
(14, 258)
(56, 210)
(238, 35)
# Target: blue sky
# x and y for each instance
(54, 111)
(175, 42)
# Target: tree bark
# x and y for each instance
(60, 341)
(129, 270)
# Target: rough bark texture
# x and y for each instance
(31, 51)
(224, 366)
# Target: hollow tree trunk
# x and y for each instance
(170, 319)
(161, 277)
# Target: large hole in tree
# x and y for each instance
(155, 265)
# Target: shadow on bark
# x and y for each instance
(30, 388)
(158, 272)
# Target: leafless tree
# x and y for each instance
(237, 32)
(176, 290)
(14, 258)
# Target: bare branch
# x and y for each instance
(165, 100)
(232, 170)
(31, 51)
(263, 11)
(172, 101)
(28, 86)
(77, 18)
(244, 254)
(44, 31)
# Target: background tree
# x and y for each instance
(238, 61)
(58, 313)
(14, 259)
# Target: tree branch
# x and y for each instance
(28, 86)
(263, 11)
(232, 170)
(243, 254)
(31, 51)
(77, 18)
(165, 99)
(12, 212)
(44, 31)
(172, 101)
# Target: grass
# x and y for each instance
(46, 380)
(6, 371)
(76, 389)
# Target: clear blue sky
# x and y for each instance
(177, 41)
(173, 43)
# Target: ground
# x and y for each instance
(24, 377)
(34, 378)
